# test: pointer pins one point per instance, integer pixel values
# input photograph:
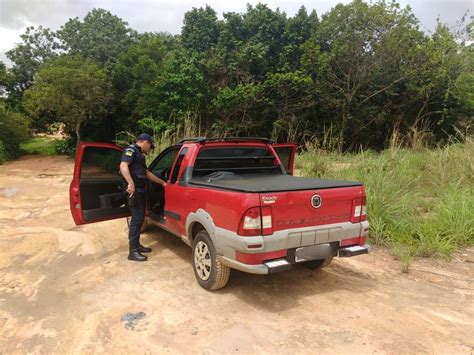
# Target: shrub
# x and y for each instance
(13, 131)
(3, 157)
(65, 146)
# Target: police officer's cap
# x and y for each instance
(146, 137)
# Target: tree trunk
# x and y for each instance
(78, 134)
(343, 126)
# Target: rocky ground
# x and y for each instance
(68, 289)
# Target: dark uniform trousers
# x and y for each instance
(137, 210)
(137, 165)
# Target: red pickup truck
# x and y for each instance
(234, 201)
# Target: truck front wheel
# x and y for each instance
(318, 264)
(209, 271)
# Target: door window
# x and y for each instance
(161, 167)
(177, 167)
(100, 163)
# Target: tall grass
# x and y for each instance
(420, 202)
(187, 129)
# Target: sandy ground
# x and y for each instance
(68, 289)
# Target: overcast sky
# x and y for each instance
(166, 15)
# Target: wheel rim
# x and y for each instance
(202, 260)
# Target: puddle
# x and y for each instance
(131, 319)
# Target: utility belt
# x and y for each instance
(139, 183)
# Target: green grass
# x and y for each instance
(420, 203)
(39, 145)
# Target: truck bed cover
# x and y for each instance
(269, 183)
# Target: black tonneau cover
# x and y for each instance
(268, 183)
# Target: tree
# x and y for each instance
(438, 91)
(237, 110)
(72, 89)
(4, 79)
(249, 45)
(364, 71)
(136, 70)
(200, 30)
(179, 91)
(360, 52)
(289, 102)
(102, 36)
(298, 30)
(37, 46)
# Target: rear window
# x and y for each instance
(237, 160)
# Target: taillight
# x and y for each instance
(267, 226)
(359, 210)
(251, 223)
(256, 221)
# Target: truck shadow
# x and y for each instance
(288, 289)
(280, 291)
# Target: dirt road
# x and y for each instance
(69, 289)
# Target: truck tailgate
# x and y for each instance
(298, 209)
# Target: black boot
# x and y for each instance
(135, 255)
(142, 249)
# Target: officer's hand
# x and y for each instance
(131, 189)
(163, 184)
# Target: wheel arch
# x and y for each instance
(198, 221)
(195, 228)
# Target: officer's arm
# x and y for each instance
(124, 169)
(152, 177)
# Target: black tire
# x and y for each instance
(143, 227)
(208, 270)
(318, 264)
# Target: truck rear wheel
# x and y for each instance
(318, 264)
(209, 271)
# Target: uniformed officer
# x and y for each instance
(135, 173)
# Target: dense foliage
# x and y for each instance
(361, 75)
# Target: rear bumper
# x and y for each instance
(228, 242)
(281, 264)
(260, 269)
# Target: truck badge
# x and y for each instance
(316, 201)
(269, 199)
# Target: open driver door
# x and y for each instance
(96, 192)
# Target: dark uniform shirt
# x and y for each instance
(137, 165)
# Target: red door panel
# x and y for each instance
(178, 200)
(96, 191)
